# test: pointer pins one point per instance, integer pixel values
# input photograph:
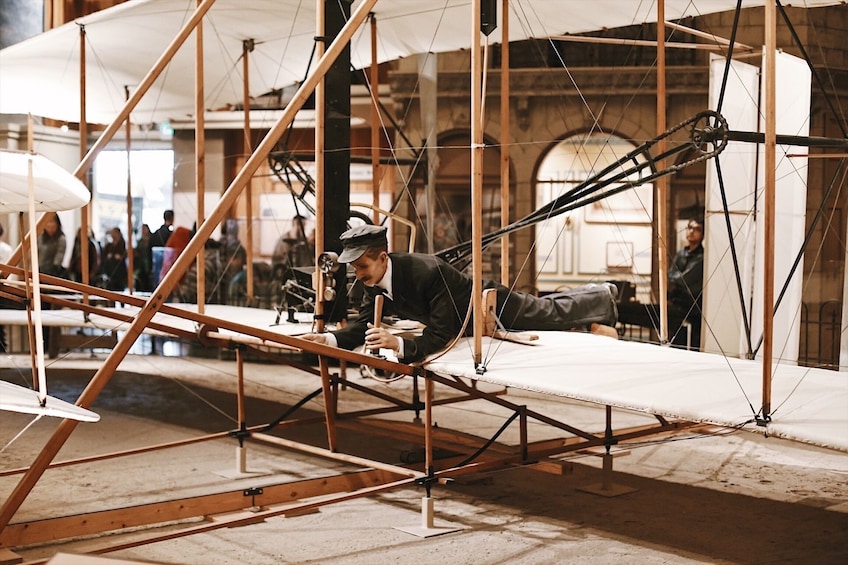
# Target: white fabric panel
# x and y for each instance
(793, 110)
(19, 399)
(53, 188)
(41, 75)
(722, 308)
(809, 405)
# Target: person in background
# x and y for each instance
(93, 258)
(51, 247)
(686, 281)
(114, 263)
(186, 290)
(175, 245)
(296, 247)
(685, 287)
(51, 252)
(143, 260)
(160, 237)
(232, 261)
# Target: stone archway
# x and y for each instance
(606, 240)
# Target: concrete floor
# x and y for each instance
(730, 497)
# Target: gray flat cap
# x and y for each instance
(358, 240)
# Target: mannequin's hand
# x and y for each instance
(379, 338)
(317, 338)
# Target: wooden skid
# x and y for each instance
(112, 521)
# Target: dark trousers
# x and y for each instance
(572, 309)
(648, 316)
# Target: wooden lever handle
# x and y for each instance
(378, 316)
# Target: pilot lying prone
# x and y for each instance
(426, 289)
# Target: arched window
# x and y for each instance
(606, 240)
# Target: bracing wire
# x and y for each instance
(21, 432)
(836, 180)
(596, 188)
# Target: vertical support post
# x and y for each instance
(522, 427)
(427, 512)
(41, 372)
(606, 472)
(505, 139)
(427, 506)
(241, 450)
(26, 244)
(375, 122)
(770, 160)
(247, 48)
(427, 528)
(129, 240)
(85, 213)
(320, 111)
(330, 405)
(320, 219)
(661, 199)
(336, 144)
(54, 14)
(428, 424)
(428, 101)
(200, 161)
(843, 331)
(477, 183)
(416, 400)
(607, 487)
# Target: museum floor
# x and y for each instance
(718, 497)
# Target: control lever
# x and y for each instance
(378, 318)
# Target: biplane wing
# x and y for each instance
(674, 383)
(409, 19)
(281, 34)
(29, 181)
(16, 398)
(55, 188)
(402, 27)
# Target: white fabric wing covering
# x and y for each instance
(53, 188)
(123, 44)
(808, 405)
(19, 399)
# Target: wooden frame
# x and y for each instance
(385, 476)
(239, 507)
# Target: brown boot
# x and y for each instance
(600, 329)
